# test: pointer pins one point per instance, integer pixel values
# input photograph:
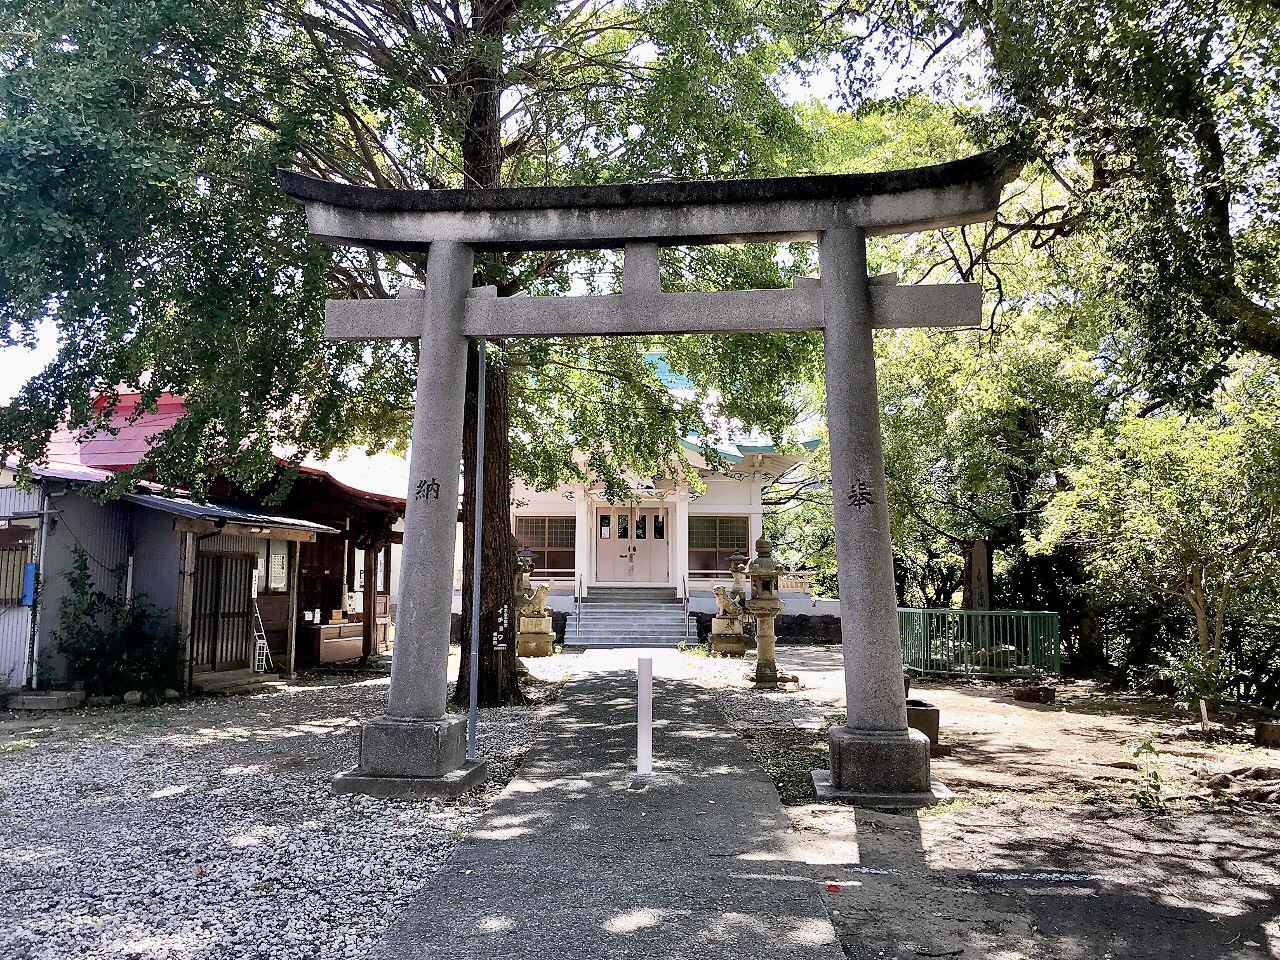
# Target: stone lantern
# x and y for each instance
(765, 605)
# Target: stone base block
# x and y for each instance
(1035, 694)
(767, 676)
(46, 700)
(535, 644)
(535, 625)
(452, 784)
(726, 627)
(410, 747)
(1267, 734)
(880, 801)
(924, 716)
(879, 763)
(729, 646)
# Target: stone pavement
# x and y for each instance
(573, 862)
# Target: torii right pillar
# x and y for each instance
(876, 759)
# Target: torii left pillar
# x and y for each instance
(418, 749)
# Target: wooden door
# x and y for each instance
(614, 560)
(651, 562)
(221, 630)
(632, 545)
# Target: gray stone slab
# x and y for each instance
(726, 211)
(412, 748)
(649, 311)
(573, 860)
(45, 700)
(452, 784)
(894, 761)
(926, 305)
(828, 793)
(377, 319)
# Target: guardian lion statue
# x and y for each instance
(728, 604)
(536, 605)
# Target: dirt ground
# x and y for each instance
(1054, 846)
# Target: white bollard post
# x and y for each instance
(644, 717)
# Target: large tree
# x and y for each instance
(1159, 125)
(146, 223)
(1184, 506)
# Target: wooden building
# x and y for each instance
(315, 589)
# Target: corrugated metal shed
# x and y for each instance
(216, 512)
(177, 505)
(18, 503)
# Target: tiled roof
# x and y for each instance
(734, 450)
(123, 445)
(381, 475)
(738, 444)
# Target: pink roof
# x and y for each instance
(129, 443)
(382, 476)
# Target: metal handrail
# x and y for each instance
(980, 642)
(577, 608)
(685, 580)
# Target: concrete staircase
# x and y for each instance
(231, 683)
(629, 617)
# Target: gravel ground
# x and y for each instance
(208, 828)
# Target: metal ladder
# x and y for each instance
(262, 653)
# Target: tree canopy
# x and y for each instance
(1130, 276)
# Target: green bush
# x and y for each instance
(1199, 676)
(114, 645)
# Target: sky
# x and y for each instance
(19, 364)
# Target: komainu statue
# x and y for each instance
(536, 605)
(728, 604)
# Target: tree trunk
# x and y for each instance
(1195, 597)
(977, 576)
(481, 147)
(1091, 654)
(498, 685)
(900, 581)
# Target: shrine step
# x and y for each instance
(631, 595)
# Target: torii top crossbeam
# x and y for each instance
(639, 217)
(683, 212)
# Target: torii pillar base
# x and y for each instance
(881, 769)
(413, 758)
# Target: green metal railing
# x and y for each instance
(980, 642)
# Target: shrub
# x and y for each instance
(114, 645)
(1199, 676)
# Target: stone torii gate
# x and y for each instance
(417, 748)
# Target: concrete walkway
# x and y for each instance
(572, 862)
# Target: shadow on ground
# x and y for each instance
(1046, 897)
(575, 861)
